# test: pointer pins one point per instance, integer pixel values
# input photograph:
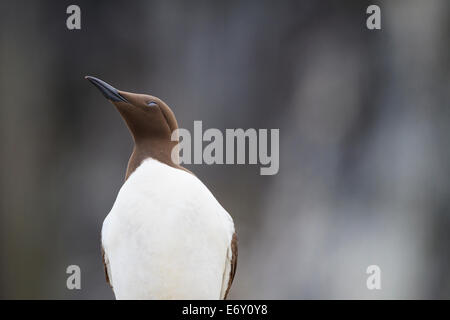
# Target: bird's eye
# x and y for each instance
(151, 104)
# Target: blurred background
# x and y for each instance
(364, 127)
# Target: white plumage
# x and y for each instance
(167, 237)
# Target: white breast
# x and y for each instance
(166, 237)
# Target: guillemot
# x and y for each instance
(166, 236)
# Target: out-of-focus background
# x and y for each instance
(364, 125)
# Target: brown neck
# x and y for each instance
(155, 149)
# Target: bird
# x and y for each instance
(166, 236)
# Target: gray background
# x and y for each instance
(364, 127)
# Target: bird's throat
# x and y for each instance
(154, 149)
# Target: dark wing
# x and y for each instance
(106, 267)
(233, 262)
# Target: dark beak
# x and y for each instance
(107, 90)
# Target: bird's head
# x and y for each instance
(147, 117)
(150, 120)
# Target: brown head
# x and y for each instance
(151, 123)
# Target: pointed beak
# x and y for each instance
(107, 90)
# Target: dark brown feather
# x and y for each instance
(105, 267)
(234, 256)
